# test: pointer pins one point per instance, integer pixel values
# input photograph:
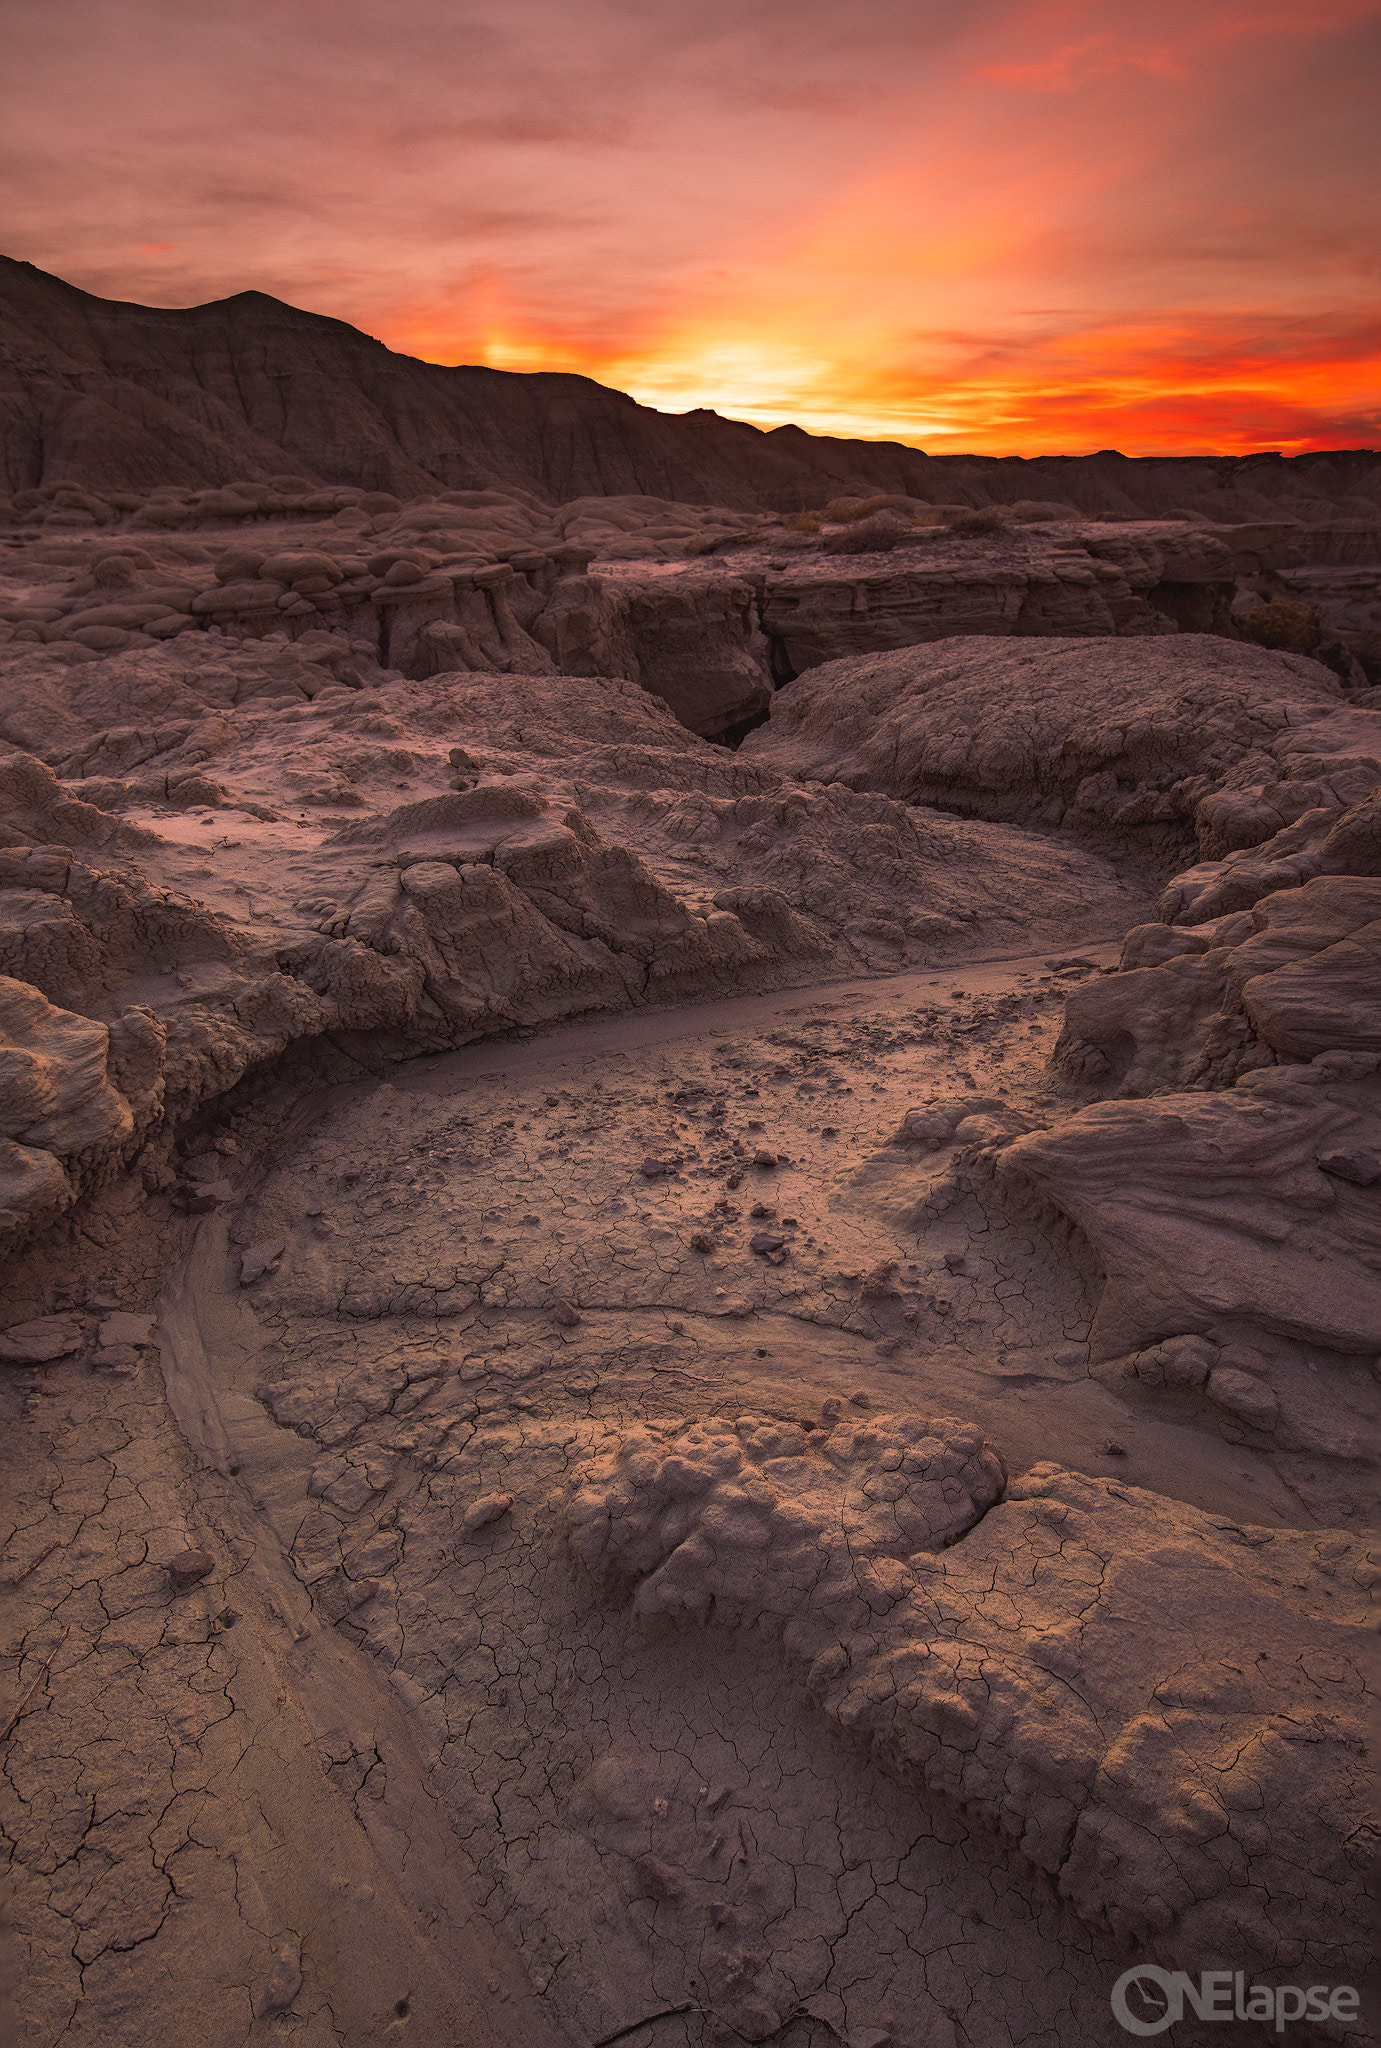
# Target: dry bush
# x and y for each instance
(1031, 511)
(1289, 628)
(869, 536)
(804, 522)
(986, 521)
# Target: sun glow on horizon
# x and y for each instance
(1016, 227)
(1147, 389)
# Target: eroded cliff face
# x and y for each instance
(711, 611)
(665, 1394)
(119, 397)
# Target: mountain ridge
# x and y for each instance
(111, 394)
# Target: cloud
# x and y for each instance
(1018, 222)
(1160, 384)
(1082, 63)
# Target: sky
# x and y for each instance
(1011, 226)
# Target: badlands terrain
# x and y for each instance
(691, 1192)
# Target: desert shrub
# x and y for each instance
(986, 520)
(869, 536)
(1290, 628)
(1030, 511)
(906, 508)
(803, 522)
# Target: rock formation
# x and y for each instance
(692, 1305)
(1189, 740)
(114, 397)
(271, 857)
(1084, 1668)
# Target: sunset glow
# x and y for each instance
(1016, 226)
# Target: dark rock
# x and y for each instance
(1358, 1165)
(768, 1244)
(189, 1567)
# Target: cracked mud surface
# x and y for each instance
(440, 1314)
(664, 1395)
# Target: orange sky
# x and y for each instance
(1016, 226)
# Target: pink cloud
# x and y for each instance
(784, 205)
(1081, 63)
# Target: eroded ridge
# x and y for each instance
(1117, 1683)
(759, 1518)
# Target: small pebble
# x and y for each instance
(490, 1507)
(189, 1567)
(284, 1983)
(258, 1260)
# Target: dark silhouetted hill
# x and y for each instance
(124, 397)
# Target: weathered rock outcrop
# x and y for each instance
(1112, 1681)
(1228, 1189)
(1160, 742)
(1297, 975)
(272, 855)
(1061, 580)
(1230, 1219)
(499, 582)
